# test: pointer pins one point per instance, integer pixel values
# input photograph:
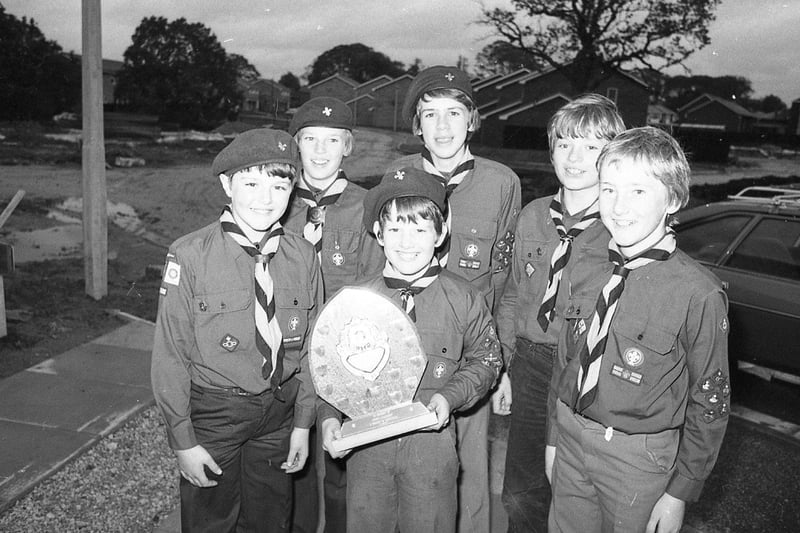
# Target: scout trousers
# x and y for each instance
(605, 480)
(248, 437)
(526, 491)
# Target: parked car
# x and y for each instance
(752, 242)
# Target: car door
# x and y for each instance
(758, 258)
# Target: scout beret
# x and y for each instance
(323, 111)
(256, 147)
(430, 79)
(406, 181)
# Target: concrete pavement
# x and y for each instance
(56, 410)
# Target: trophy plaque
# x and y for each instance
(366, 360)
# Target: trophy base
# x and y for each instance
(384, 424)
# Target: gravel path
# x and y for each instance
(127, 483)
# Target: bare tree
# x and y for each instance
(588, 37)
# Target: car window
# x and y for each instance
(706, 241)
(772, 248)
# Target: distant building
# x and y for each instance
(794, 118)
(660, 115)
(708, 111)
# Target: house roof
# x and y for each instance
(530, 105)
(342, 77)
(390, 82)
(503, 80)
(534, 75)
(381, 78)
(706, 99)
(501, 109)
(660, 109)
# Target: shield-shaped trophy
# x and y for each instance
(366, 359)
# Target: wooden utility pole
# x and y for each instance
(95, 214)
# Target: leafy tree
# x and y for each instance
(244, 70)
(768, 104)
(501, 57)
(415, 67)
(290, 81)
(37, 79)
(356, 61)
(179, 71)
(586, 37)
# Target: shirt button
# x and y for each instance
(203, 306)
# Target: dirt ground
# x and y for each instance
(174, 193)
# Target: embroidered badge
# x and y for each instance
(229, 342)
(715, 389)
(162, 290)
(172, 273)
(626, 375)
(723, 325)
(529, 269)
(467, 263)
(438, 372)
(293, 323)
(580, 326)
(471, 250)
(337, 259)
(327, 111)
(633, 357)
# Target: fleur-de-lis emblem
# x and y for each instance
(399, 175)
(327, 111)
(282, 146)
(449, 77)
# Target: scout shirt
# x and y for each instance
(484, 209)
(535, 239)
(665, 365)
(205, 330)
(458, 336)
(349, 251)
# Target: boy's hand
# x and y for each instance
(441, 407)
(191, 463)
(549, 459)
(298, 451)
(501, 399)
(332, 430)
(667, 515)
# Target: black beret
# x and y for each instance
(323, 111)
(406, 181)
(430, 79)
(256, 147)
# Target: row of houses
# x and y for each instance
(514, 107)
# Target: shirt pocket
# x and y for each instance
(471, 249)
(340, 249)
(293, 308)
(444, 358)
(534, 260)
(643, 349)
(224, 319)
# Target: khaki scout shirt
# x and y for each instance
(349, 251)
(205, 330)
(665, 365)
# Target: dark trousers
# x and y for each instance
(526, 492)
(305, 516)
(248, 437)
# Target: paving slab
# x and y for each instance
(31, 453)
(100, 362)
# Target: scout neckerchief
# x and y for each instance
(451, 180)
(561, 254)
(409, 288)
(591, 355)
(315, 212)
(269, 339)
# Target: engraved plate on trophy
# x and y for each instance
(366, 359)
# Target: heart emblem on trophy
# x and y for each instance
(363, 348)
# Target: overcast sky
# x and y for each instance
(757, 39)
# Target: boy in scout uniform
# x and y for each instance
(551, 232)
(408, 483)
(229, 368)
(641, 377)
(327, 209)
(483, 199)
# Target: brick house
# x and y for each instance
(266, 96)
(337, 86)
(516, 115)
(708, 111)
